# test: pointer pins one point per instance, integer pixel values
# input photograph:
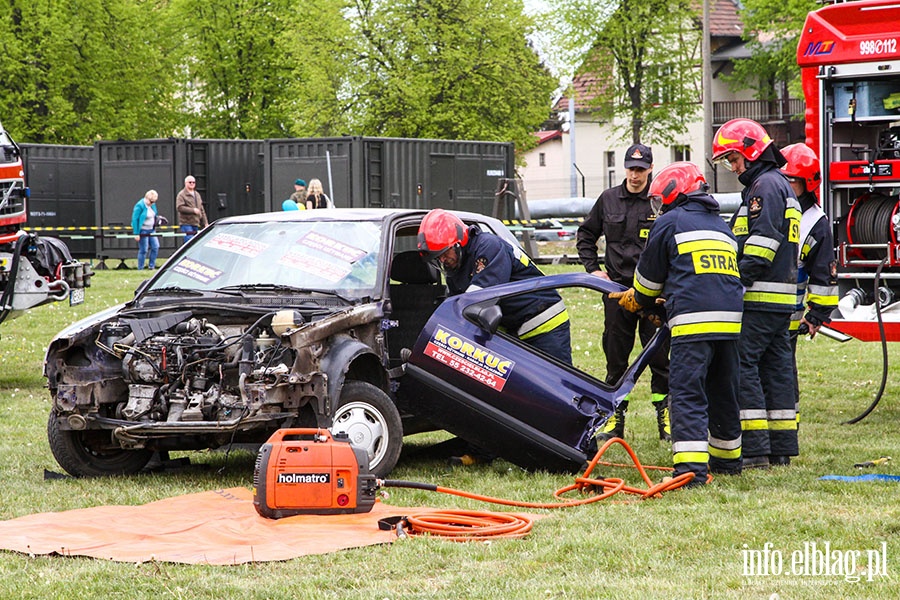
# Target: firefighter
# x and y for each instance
(623, 215)
(473, 259)
(691, 260)
(817, 292)
(767, 227)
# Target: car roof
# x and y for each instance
(380, 215)
(345, 214)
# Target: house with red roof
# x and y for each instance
(554, 169)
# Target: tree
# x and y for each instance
(322, 51)
(773, 31)
(645, 54)
(234, 65)
(79, 70)
(449, 69)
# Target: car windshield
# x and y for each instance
(278, 257)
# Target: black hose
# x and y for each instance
(884, 352)
(409, 484)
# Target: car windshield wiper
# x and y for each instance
(282, 288)
(173, 290)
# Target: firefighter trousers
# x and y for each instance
(703, 407)
(619, 326)
(768, 415)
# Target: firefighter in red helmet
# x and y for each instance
(817, 291)
(767, 228)
(691, 260)
(473, 259)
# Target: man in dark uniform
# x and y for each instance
(817, 289)
(624, 216)
(691, 260)
(473, 259)
(767, 228)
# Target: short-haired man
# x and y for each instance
(623, 214)
(189, 205)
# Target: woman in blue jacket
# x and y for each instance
(143, 224)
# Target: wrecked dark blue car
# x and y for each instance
(466, 376)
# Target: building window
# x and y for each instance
(611, 179)
(542, 159)
(681, 152)
(610, 159)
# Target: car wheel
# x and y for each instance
(371, 420)
(90, 453)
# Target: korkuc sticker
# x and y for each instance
(196, 270)
(470, 359)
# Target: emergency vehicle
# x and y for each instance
(849, 57)
(33, 270)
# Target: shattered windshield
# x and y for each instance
(279, 257)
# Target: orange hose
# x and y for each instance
(471, 525)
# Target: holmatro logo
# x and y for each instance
(304, 478)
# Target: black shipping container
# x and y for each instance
(392, 172)
(91, 191)
(62, 202)
(228, 174)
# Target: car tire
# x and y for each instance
(81, 453)
(371, 420)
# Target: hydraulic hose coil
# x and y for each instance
(871, 222)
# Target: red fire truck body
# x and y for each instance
(33, 270)
(849, 56)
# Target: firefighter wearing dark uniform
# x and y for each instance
(817, 291)
(473, 259)
(767, 227)
(691, 260)
(624, 216)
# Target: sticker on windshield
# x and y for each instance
(316, 266)
(470, 359)
(331, 247)
(196, 270)
(237, 244)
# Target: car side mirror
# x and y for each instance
(487, 317)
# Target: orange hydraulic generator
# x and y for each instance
(309, 472)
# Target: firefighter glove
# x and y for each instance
(626, 300)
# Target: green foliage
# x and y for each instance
(645, 54)
(81, 70)
(773, 31)
(449, 69)
(76, 71)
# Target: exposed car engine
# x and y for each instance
(195, 371)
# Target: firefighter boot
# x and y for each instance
(615, 426)
(662, 418)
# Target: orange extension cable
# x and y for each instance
(464, 525)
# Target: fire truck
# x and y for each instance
(849, 58)
(33, 270)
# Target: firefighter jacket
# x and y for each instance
(691, 260)
(767, 228)
(488, 260)
(817, 290)
(625, 219)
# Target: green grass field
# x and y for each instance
(688, 544)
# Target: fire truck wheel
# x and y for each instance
(371, 420)
(91, 454)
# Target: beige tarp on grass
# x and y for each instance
(218, 528)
